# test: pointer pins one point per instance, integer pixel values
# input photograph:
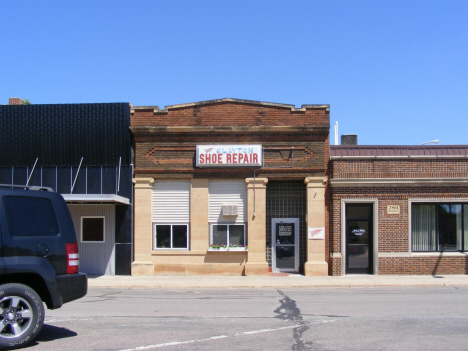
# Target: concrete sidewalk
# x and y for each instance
(291, 281)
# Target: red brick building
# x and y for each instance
(239, 187)
(399, 209)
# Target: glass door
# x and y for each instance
(359, 238)
(285, 244)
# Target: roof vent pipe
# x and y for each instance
(336, 133)
(349, 139)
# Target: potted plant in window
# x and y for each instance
(220, 247)
(236, 247)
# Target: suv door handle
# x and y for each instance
(42, 250)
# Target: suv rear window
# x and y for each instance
(30, 216)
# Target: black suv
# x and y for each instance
(38, 261)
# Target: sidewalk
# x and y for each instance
(292, 281)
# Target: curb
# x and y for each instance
(250, 282)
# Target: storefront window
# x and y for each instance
(224, 234)
(171, 236)
(439, 227)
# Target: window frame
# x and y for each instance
(155, 248)
(243, 224)
(103, 230)
(439, 202)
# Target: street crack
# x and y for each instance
(288, 311)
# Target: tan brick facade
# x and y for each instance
(295, 145)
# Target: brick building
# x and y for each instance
(239, 187)
(399, 209)
(230, 187)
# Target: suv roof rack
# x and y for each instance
(27, 187)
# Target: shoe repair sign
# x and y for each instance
(229, 155)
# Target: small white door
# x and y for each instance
(285, 244)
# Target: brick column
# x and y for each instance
(143, 231)
(256, 227)
(316, 264)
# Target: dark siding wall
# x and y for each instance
(123, 239)
(60, 134)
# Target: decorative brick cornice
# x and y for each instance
(287, 171)
(229, 129)
(166, 109)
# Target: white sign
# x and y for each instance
(393, 209)
(285, 230)
(316, 233)
(229, 155)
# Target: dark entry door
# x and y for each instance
(359, 238)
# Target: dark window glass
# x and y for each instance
(236, 235)
(449, 227)
(179, 236)
(285, 257)
(92, 229)
(30, 216)
(220, 235)
(358, 232)
(357, 211)
(171, 236)
(163, 236)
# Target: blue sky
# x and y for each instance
(393, 72)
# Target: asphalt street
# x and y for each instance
(318, 318)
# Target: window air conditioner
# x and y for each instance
(230, 210)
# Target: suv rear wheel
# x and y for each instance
(21, 315)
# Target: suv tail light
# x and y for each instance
(73, 258)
